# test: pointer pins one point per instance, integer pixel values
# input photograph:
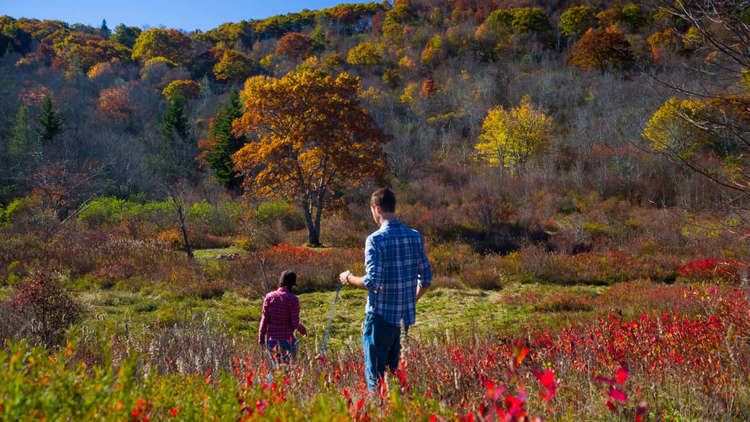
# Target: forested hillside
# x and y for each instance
(512, 131)
(579, 171)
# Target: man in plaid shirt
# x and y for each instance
(397, 274)
(280, 318)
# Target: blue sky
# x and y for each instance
(187, 15)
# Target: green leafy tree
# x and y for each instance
(575, 21)
(222, 143)
(530, 20)
(497, 25)
(50, 121)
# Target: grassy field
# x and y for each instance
(156, 350)
(442, 311)
(183, 344)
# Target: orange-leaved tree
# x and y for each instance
(309, 138)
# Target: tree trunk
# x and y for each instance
(318, 212)
(180, 209)
(313, 230)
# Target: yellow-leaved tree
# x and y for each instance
(709, 136)
(510, 137)
(309, 138)
(676, 127)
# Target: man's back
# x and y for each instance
(280, 315)
(396, 264)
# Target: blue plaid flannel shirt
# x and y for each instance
(395, 264)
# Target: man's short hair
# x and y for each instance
(385, 199)
(287, 279)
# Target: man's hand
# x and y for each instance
(348, 278)
(420, 292)
(344, 277)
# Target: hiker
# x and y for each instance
(397, 274)
(279, 319)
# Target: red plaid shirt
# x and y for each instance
(280, 316)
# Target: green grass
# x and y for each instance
(208, 254)
(442, 311)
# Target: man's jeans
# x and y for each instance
(381, 342)
(282, 351)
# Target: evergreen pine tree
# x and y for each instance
(104, 30)
(176, 153)
(320, 41)
(50, 121)
(23, 139)
(224, 143)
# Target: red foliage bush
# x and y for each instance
(727, 270)
(43, 308)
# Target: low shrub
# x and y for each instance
(449, 259)
(173, 239)
(480, 276)
(719, 269)
(564, 302)
(105, 211)
(288, 214)
(594, 267)
(215, 219)
(39, 310)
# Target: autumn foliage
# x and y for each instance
(294, 45)
(309, 144)
(510, 137)
(602, 49)
(117, 102)
(169, 43)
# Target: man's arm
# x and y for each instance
(263, 328)
(373, 269)
(424, 271)
(294, 317)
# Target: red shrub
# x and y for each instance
(44, 308)
(723, 269)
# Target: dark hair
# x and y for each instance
(287, 279)
(385, 199)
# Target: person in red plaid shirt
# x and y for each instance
(280, 318)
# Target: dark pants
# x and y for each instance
(282, 351)
(381, 342)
